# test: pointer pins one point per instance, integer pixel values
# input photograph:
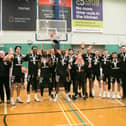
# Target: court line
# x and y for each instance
(5, 109)
(73, 124)
(64, 113)
(75, 112)
(121, 103)
(83, 114)
(4, 120)
(83, 109)
(68, 112)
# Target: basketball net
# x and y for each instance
(53, 36)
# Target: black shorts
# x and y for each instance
(45, 83)
(96, 73)
(113, 79)
(16, 79)
(80, 79)
(115, 75)
(106, 77)
(89, 73)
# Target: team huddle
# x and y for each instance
(53, 68)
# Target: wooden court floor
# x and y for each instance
(92, 112)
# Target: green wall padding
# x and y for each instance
(65, 46)
(112, 48)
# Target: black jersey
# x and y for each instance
(33, 61)
(61, 65)
(105, 64)
(17, 65)
(96, 62)
(88, 57)
(53, 62)
(71, 59)
(79, 68)
(122, 57)
(115, 67)
(4, 68)
(45, 67)
(80, 71)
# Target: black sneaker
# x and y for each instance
(70, 96)
(86, 95)
(91, 95)
(79, 94)
(74, 98)
(8, 101)
(52, 96)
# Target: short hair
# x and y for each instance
(17, 47)
(70, 49)
(114, 53)
(34, 47)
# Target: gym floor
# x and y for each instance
(92, 112)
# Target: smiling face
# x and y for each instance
(105, 53)
(114, 56)
(96, 53)
(125, 49)
(18, 50)
(2, 54)
(34, 50)
(52, 51)
(70, 52)
(88, 50)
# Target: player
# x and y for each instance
(33, 59)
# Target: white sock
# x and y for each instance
(12, 98)
(100, 89)
(18, 97)
(113, 93)
(35, 94)
(28, 95)
(118, 93)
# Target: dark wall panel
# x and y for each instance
(19, 15)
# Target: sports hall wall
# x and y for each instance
(114, 31)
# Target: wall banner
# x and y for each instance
(87, 15)
(19, 15)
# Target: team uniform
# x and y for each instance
(62, 75)
(71, 60)
(16, 76)
(45, 74)
(122, 57)
(105, 64)
(33, 60)
(86, 58)
(4, 79)
(53, 71)
(115, 76)
(96, 68)
(80, 77)
(16, 69)
(115, 71)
